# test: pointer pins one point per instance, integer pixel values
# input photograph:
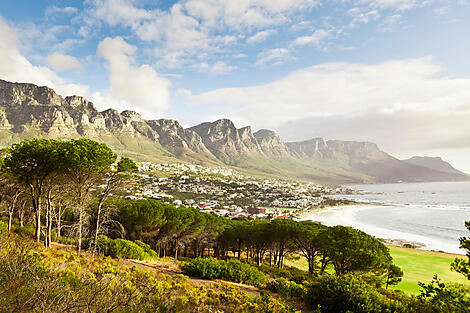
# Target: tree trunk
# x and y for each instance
(57, 220)
(21, 214)
(10, 219)
(79, 235)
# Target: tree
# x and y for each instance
(124, 168)
(307, 242)
(350, 249)
(33, 163)
(460, 265)
(284, 231)
(87, 162)
(393, 275)
(445, 297)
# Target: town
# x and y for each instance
(227, 193)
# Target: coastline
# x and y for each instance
(345, 215)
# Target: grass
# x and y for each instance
(420, 265)
(417, 266)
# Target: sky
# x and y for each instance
(394, 72)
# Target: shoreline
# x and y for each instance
(345, 215)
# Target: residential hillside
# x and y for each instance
(28, 111)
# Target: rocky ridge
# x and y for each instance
(27, 110)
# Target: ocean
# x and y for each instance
(431, 214)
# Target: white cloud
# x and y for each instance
(220, 67)
(333, 89)
(400, 5)
(315, 39)
(191, 27)
(217, 68)
(359, 15)
(141, 88)
(274, 57)
(53, 10)
(61, 62)
(390, 23)
(16, 68)
(183, 92)
(261, 36)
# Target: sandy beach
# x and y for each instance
(347, 215)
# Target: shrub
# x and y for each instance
(26, 230)
(239, 272)
(3, 227)
(120, 248)
(204, 268)
(150, 253)
(68, 241)
(287, 288)
(343, 294)
(232, 270)
(288, 272)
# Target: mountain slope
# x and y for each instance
(435, 163)
(28, 111)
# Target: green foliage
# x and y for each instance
(3, 227)
(445, 298)
(393, 275)
(121, 248)
(25, 230)
(67, 241)
(148, 251)
(288, 272)
(335, 294)
(287, 288)
(84, 158)
(126, 165)
(459, 265)
(32, 280)
(350, 249)
(232, 270)
(205, 268)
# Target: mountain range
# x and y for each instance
(28, 111)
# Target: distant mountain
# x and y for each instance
(28, 111)
(435, 163)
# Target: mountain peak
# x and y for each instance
(434, 163)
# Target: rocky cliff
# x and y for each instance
(27, 111)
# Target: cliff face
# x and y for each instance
(27, 111)
(270, 143)
(225, 141)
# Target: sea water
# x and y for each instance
(432, 214)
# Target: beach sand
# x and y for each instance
(345, 215)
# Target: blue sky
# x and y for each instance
(395, 72)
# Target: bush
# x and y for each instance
(26, 230)
(68, 241)
(288, 272)
(120, 248)
(232, 270)
(343, 294)
(287, 288)
(150, 253)
(3, 227)
(239, 272)
(204, 268)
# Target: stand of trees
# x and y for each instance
(43, 174)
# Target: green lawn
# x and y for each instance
(419, 265)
